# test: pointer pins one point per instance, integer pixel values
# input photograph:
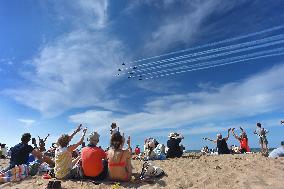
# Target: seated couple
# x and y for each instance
(96, 163)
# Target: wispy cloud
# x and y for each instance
(185, 26)
(27, 122)
(257, 95)
(79, 14)
(76, 69)
(74, 72)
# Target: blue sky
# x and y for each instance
(58, 59)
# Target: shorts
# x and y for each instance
(263, 140)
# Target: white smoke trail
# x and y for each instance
(212, 44)
(240, 45)
(216, 65)
(207, 57)
(260, 53)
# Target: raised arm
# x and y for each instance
(234, 134)
(215, 141)
(228, 134)
(75, 132)
(74, 146)
(46, 137)
(129, 144)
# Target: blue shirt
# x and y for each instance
(20, 154)
(278, 152)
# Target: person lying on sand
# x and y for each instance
(94, 161)
(263, 142)
(20, 153)
(221, 143)
(63, 155)
(119, 160)
(278, 152)
(243, 139)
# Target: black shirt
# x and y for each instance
(174, 148)
(20, 154)
(222, 146)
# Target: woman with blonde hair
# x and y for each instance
(64, 163)
(119, 160)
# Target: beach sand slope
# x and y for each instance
(192, 171)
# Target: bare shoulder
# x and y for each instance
(127, 153)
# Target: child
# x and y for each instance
(42, 143)
(263, 142)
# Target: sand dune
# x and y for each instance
(227, 171)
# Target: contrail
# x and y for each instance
(261, 53)
(217, 65)
(240, 45)
(212, 44)
(216, 61)
(207, 57)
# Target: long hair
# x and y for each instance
(116, 141)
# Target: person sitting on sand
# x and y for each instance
(221, 143)
(20, 153)
(63, 155)
(278, 152)
(119, 160)
(205, 150)
(263, 142)
(149, 147)
(243, 139)
(94, 162)
(174, 149)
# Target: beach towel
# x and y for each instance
(15, 174)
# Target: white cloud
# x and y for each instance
(73, 72)
(88, 14)
(183, 27)
(256, 95)
(27, 122)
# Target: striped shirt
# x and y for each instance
(63, 162)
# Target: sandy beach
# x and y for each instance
(192, 171)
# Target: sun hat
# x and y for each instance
(94, 136)
(174, 135)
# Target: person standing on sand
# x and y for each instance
(119, 160)
(243, 139)
(221, 143)
(278, 152)
(64, 165)
(94, 162)
(261, 132)
(20, 153)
